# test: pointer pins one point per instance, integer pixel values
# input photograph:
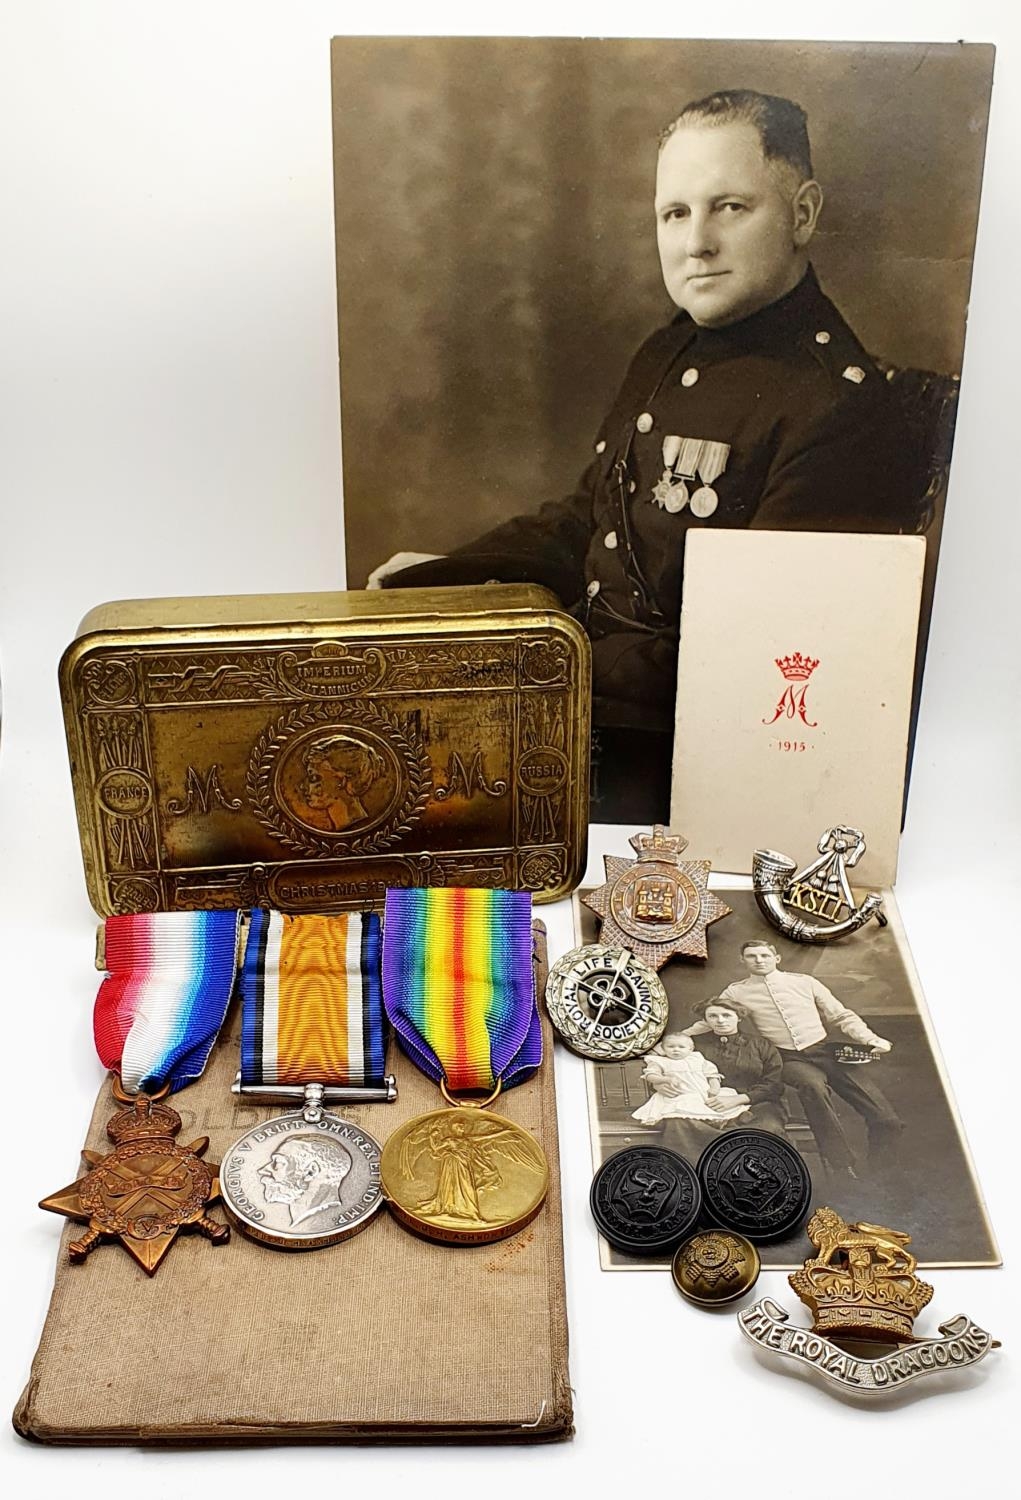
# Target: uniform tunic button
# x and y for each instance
(610, 540)
(593, 588)
(690, 376)
(855, 373)
(644, 422)
(601, 446)
(632, 486)
(822, 337)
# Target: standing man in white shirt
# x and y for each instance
(795, 1012)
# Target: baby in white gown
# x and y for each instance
(683, 1083)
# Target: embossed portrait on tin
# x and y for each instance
(339, 773)
(338, 782)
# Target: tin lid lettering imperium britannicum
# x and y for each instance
(306, 751)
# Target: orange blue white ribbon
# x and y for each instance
(458, 984)
(311, 1001)
(169, 980)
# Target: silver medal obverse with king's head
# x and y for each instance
(299, 1183)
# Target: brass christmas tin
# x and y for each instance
(306, 751)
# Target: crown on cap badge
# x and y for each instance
(862, 1289)
(862, 1282)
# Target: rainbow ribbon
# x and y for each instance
(311, 1001)
(169, 980)
(458, 984)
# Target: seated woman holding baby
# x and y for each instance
(732, 1078)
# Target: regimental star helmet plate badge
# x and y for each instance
(659, 904)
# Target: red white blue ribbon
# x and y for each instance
(169, 982)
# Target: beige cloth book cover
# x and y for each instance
(386, 1337)
(794, 693)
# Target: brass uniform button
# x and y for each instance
(601, 446)
(690, 377)
(854, 373)
(714, 1267)
(644, 422)
(822, 337)
(610, 540)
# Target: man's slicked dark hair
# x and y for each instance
(781, 124)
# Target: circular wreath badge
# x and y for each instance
(364, 724)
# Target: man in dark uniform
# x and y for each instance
(756, 406)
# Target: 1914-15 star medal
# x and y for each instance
(659, 904)
(145, 1190)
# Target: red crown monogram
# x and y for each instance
(796, 668)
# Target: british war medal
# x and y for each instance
(659, 904)
(156, 1017)
(459, 990)
(312, 1030)
(864, 1295)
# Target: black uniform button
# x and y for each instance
(754, 1183)
(645, 1200)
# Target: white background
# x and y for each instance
(170, 425)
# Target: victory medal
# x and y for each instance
(460, 994)
(659, 904)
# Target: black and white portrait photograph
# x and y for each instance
(829, 1046)
(594, 294)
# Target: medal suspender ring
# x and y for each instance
(470, 1103)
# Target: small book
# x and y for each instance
(794, 687)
